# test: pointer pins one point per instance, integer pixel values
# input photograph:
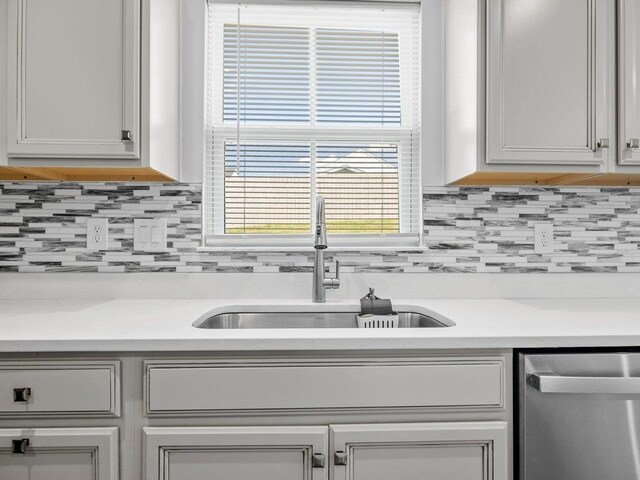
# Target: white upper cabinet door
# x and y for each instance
(59, 454)
(420, 451)
(629, 97)
(550, 82)
(74, 78)
(236, 453)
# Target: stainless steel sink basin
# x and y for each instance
(241, 320)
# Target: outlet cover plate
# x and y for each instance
(97, 234)
(543, 238)
(150, 234)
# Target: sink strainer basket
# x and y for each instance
(368, 320)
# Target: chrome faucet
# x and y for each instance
(321, 283)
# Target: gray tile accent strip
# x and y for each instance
(466, 229)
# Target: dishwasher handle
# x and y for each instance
(550, 383)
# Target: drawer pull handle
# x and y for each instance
(550, 383)
(19, 446)
(21, 394)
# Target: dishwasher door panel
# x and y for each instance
(580, 416)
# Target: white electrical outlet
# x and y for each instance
(543, 237)
(97, 234)
(150, 234)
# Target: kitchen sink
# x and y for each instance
(324, 319)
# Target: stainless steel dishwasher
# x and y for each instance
(579, 416)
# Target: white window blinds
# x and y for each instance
(307, 100)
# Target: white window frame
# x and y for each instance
(193, 112)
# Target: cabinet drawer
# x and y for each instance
(88, 388)
(208, 387)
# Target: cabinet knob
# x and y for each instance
(127, 136)
(318, 460)
(633, 143)
(603, 143)
(19, 446)
(340, 458)
(21, 394)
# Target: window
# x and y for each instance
(307, 100)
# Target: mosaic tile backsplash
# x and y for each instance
(466, 229)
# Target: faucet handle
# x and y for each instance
(333, 283)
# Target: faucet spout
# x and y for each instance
(320, 282)
(320, 228)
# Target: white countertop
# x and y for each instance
(166, 325)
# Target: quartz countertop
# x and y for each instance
(92, 325)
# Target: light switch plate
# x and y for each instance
(150, 234)
(97, 234)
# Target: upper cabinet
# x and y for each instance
(629, 94)
(88, 94)
(91, 91)
(549, 79)
(76, 79)
(538, 101)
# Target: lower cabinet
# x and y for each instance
(59, 454)
(419, 451)
(236, 453)
(336, 418)
(412, 451)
